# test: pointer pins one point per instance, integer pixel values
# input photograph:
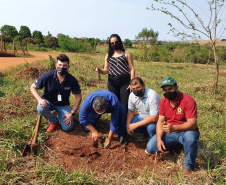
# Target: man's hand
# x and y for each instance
(161, 146)
(68, 119)
(107, 142)
(129, 87)
(95, 135)
(133, 127)
(43, 103)
(168, 128)
(130, 132)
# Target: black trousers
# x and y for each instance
(118, 85)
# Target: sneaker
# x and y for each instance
(122, 141)
(147, 152)
(52, 127)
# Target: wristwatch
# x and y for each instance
(73, 114)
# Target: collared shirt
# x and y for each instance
(184, 109)
(112, 107)
(53, 88)
(146, 105)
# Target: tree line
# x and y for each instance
(23, 37)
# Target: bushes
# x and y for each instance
(181, 53)
(74, 44)
(128, 43)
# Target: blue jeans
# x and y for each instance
(189, 140)
(61, 111)
(94, 117)
(149, 129)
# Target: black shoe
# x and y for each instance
(122, 141)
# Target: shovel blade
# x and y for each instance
(29, 150)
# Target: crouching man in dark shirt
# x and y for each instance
(57, 84)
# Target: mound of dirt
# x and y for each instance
(76, 150)
(33, 72)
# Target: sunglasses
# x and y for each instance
(113, 43)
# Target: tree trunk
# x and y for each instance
(14, 48)
(26, 49)
(22, 48)
(216, 68)
(214, 49)
(5, 46)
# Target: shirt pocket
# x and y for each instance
(67, 88)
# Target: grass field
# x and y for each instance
(18, 112)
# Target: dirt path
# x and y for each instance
(7, 62)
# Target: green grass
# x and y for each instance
(18, 108)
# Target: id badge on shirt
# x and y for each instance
(59, 97)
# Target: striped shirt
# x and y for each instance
(118, 66)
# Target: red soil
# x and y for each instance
(76, 150)
(7, 62)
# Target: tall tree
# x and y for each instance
(193, 20)
(24, 32)
(148, 35)
(9, 31)
(37, 37)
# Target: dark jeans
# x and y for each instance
(118, 85)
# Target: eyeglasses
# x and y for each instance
(113, 43)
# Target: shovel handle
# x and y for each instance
(36, 130)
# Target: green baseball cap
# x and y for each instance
(168, 81)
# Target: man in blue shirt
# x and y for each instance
(98, 103)
(57, 84)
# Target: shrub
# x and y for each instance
(128, 43)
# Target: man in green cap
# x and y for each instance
(177, 124)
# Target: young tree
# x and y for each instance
(18, 40)
(192, 19)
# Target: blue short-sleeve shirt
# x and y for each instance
(52, 87)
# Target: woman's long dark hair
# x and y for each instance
(110, 50)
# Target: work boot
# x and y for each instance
(186, 171)
(52, 127)
(122, 141)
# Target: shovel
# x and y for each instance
(30, 148)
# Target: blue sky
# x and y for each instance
(86, 18)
